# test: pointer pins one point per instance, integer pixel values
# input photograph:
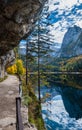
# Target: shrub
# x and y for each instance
(16, 68)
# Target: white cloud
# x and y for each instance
(57, 34)
(21, 47)
(68, 18)
(68, 3)
(80, 1)
(79, 23)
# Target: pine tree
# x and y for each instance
(39, 48)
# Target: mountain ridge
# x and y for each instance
(72, 42)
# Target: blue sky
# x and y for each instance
(64, 14)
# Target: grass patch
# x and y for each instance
(34, 107)
(34, 110)
(2, 79)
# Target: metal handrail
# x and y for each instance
(19, 124)
(20, 88)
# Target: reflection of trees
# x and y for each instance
(67, 80)
(72, 80)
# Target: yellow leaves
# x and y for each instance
(16, 68)
(12, 69)
(24, 70)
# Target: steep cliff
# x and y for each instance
(17, 19)
(72, 42)
(6, 61)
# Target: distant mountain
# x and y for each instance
(54, 49)
(22, 50)
(72, 43)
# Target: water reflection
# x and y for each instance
(72, 99)
(62, 110)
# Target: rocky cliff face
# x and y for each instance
(17, 19)
(6, 61)
(72, 42)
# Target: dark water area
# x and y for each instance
(62, 109)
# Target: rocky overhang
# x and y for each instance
(17, 19)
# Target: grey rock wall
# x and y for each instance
(6, 61)
(72, 43)
(17, 19)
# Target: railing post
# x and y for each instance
(20, 88)
(19, 124)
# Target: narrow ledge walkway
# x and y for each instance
(9, 90)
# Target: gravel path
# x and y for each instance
(8, 92)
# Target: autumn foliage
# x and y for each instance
(17, 68)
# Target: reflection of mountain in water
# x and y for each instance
(71, 96)
(72, 99)
(66, 106)
(53, 124)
